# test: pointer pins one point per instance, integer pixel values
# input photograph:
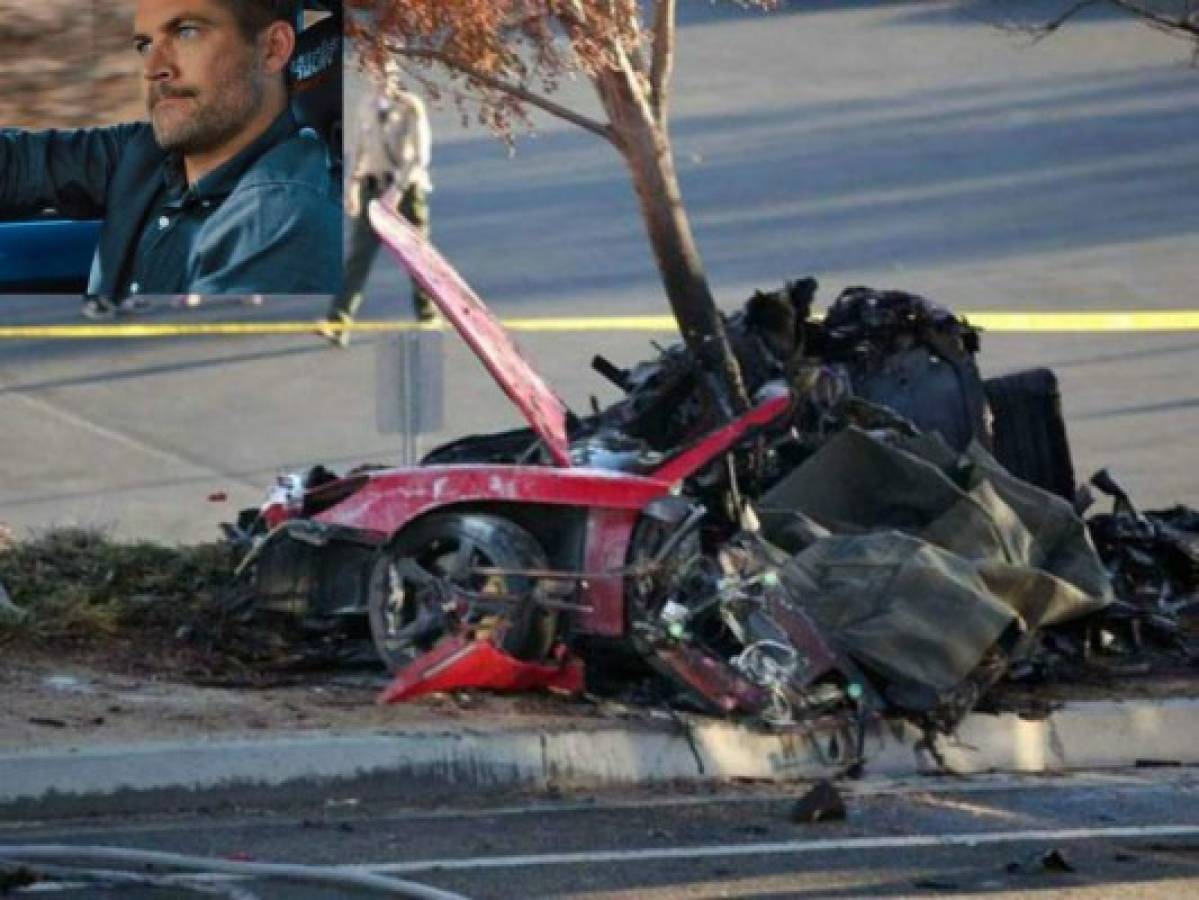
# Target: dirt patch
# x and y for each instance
(82, 700)
(54, 702)
(108, 642)
(1162, 682)
(146, 610)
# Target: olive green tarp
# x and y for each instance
(928, 558)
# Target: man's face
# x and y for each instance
(205, 82)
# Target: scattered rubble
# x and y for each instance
(822, 803)
(1053, 862)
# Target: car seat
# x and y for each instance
(316, 69)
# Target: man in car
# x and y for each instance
(221, 192)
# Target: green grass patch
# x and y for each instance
(145, 608)
(78, 587)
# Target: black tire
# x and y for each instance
(1030, 433)
(441, 545)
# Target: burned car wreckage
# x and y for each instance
(881, 531)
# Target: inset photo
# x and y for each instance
(155, 148)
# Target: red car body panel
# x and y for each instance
(392, 498)
(720, 441)
(606, 550)
(461, 662)
(479, 328)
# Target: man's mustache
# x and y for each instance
(158, 94)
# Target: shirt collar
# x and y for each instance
(223, 179)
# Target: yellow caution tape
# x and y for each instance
(191, 329)
(1156, 320)
(1025, 322)
(594, 323)
(1065, 322)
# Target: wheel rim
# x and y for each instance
(416, 609)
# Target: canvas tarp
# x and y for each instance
(931, 558)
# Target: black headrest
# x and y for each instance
(316, 69)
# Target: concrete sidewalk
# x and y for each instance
(434, 762)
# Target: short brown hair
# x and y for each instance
(253, 16)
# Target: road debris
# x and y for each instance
(47, 722)
(1053, 862)
(1056, 861)
(16, 878)
(822, 803)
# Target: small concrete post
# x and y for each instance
(410, 388)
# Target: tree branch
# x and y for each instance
(1184, 23)
(663, 62)
(638, 88)
(1065, 16)
(507, 87)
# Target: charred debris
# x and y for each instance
(901, 538)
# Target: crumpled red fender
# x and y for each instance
(459, 662)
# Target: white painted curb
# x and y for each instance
(1081, 736)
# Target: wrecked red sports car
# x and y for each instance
(775, 564)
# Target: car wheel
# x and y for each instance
(409, 603)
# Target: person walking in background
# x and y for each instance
(394, 148)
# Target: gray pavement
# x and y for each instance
(908, 145)
(911, 144)
(1124, 834)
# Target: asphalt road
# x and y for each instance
(908, 145)
(1128, 835)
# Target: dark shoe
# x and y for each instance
(132, 306)
(98, 309)
(336, 329)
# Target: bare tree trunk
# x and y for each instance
(647, 152)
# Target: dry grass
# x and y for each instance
(83, 591)
(143, 608)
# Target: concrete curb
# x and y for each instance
(436, 762)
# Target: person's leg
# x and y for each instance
(414, 206)
(364, 245)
